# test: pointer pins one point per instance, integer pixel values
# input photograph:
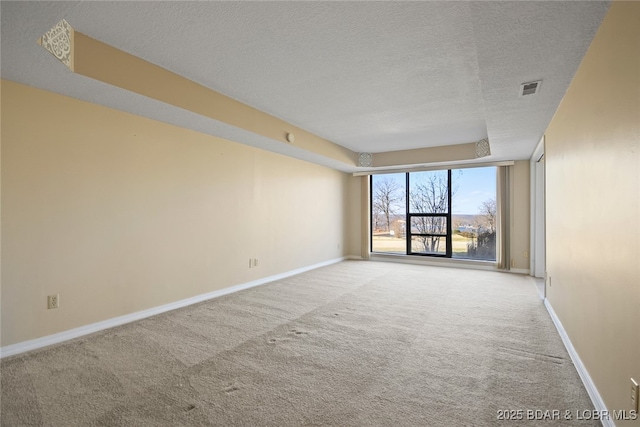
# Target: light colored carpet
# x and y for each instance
(353, 344)
(539, 282)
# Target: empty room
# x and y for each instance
(320, 213)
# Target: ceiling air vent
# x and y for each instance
(530, 88)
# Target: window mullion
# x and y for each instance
(407, 224)
(449, 216)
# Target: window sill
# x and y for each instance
(435, 261)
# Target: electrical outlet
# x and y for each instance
(255, 262)
(635, 395)
(53, 301)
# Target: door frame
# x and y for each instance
(537, 252)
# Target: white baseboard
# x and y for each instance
(24, 346)
(596, 399)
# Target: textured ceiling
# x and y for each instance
(371, 76)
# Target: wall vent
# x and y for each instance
(530, 88)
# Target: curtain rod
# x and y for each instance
(432, 168)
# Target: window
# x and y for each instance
(388, 213)
(447, 213)
(429, 214)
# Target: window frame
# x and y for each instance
(409, 215)
(411, 230)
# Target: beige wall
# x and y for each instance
(432, 155)
(119, 213)
(519, 215)
(593, 217)
(356, 209)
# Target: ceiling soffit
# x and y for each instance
(368, 76)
